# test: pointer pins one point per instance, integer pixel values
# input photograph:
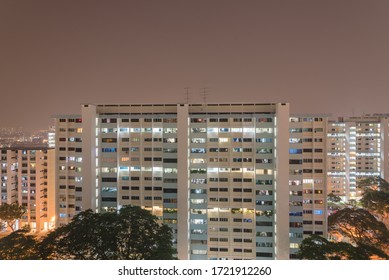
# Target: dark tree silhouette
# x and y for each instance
(131, 234)
(359, 225)
(316, 247)
(9, 213)
(376, 197)
(18, 246)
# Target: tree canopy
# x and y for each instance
(18, 246)
(333, 198)
(376, 197)
(356, 223)
(9, 213)
(359, 226)
(130, 234)
(377, 183)
(319, 248)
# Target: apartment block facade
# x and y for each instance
(68, 167)
(358, 147)
(27, 178)
(233, 181)
(217, 174)
(307, 177)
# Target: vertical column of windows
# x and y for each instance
(264, 187)
(165, 162)
(111, 175)
(296, 161)
(198, 164)
(69, 171)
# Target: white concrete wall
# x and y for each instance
(89, 157)
(282, 182)
(183, 182)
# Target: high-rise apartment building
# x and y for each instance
(358, 147)
(27, 178)
(307, 177)
(217, 173)
(68, 166)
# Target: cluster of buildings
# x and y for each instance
(17, 139)
(233, 181)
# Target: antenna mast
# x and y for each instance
(204, 94)
(187, 93)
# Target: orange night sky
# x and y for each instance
(324, 56)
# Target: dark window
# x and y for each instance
(264, 255)
(169, 190)
(108, 199)
(105, 179)
(264, 224)
(170, 160)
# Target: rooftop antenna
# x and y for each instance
(187, 93)
(204, 94)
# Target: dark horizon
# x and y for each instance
(326, 57)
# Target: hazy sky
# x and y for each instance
(321, 56)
